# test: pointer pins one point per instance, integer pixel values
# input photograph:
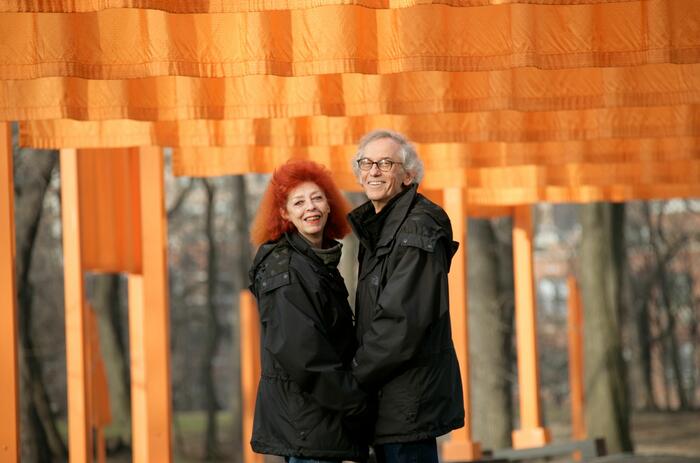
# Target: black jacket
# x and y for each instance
(306, 388)
(403, 320)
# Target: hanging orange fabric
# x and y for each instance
(508, 126)
(229, 6)
(445, 157)
(342, 39)
(522, 89)
(110, 223)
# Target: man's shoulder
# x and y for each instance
(426, 214)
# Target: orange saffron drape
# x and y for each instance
(344, 39)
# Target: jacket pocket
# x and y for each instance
(305, 414)
(401, 396)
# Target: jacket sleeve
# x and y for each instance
(412, 299)
(297, 340)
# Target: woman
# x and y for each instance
(308, 405)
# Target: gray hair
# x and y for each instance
(409, 157)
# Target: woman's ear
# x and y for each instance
(284, 214)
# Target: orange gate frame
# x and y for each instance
(9, 393)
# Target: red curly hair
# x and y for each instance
(269, 225)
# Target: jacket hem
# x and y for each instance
(261, 447)
(416, 436)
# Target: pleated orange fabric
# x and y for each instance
(342, 39)
(232, 6)
(208, 161)
(594, 171)
(424, 92)
(505, 126)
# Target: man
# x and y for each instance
(406, 355)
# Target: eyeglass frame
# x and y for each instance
(373, 163)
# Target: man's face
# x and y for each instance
(381, 186)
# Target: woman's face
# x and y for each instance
(307, 208)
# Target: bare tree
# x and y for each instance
(105, 296)
(213, 329)
(607, 411)
(490, 334)
(240, 218)
(41, 440)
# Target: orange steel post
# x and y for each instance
(77, 361)
(9, 398)
(575, 331)
(250, 370)
(139, 413)
(149, 306)
(460, 447)
(531, 432)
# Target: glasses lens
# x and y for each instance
(365, 164)
(385, 165)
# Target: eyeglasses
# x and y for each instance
(385, 165)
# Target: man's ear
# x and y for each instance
(408, 179)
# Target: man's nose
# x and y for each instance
(374, 170)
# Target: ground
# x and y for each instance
(659, 438)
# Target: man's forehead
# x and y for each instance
(382, 148)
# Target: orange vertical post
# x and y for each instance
(460, 446)
(77, 358)
(139, 413)
(149, 324)
(575, 332)
(250, 370)
(9, 393)
(531, 432)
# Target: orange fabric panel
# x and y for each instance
(581, 194)
(510, 126)
(100, 409)
(212, 161)
(577, 178)
(429, 92)
(109, 210)
(227, 6)
(132, 43)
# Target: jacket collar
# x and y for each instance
(302, 246)
(393, 221)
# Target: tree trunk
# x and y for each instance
(503, 229)
(213, 330)
(607, 413)
(40, 438)
(241, 219)
(657, 242)
(488, 334)
(106, 301)
(644, 346)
